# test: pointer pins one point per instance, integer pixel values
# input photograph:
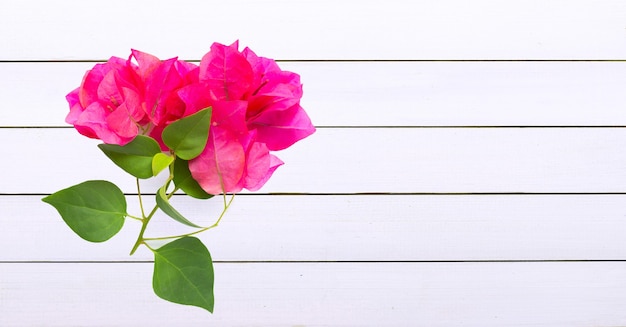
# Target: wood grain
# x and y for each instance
(317, 30)
(406, 160)
(347, 228)
(486, 135)
(385, 93)
(330, 294)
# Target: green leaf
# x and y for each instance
(160, 161)
(184, 181)
(183, 273)
(164, 204)
(187, 136)
(135, 157)
(94, 210)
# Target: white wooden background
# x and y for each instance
(469, 167)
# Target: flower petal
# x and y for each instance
(92, 123)
(195, 97)
(158, 87)
(75, 108)
(122, 124)
(89, 87)
(219, 168)
(260, 165)
(226, 71)
(146, 63)
(231, 115)
(280, 129)
(108, 92)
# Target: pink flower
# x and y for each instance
(255, 109)
(274, 109)
(233, 158)
(119, 99)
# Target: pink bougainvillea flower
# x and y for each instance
(119, 99)
(271, 93)
(260, 102)
(275, 104)
(255, 110)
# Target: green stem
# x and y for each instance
(143, 214)
(226, 206)
(134, 217)
(146, 219)
(144, 224)
(169, 196)
(148, 246)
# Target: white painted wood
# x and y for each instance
(346, 228)
(365, 160)
(376, 228)
(314, 29)
(370, 294)
(385, 93)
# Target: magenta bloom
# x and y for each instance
(256, 108)
(119, 99)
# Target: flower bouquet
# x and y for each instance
(211, 128)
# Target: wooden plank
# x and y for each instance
(398, 294)
(386, 160)
(409, 93)
(346, 228)
(314, 29)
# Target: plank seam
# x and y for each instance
(379, 194)
(396, 127)
(318, 261)
(9, 61)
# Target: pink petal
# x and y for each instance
(75, 108)
(132, 101)
(226, 71)
(156, 133)
(121, 123)
(280, 91)
(188, 71)
(92, 123)
(261, 104)
(174, 109)
(230, 115)
(260, 165)
(195, 97)
(219, 168)
(282, 84)
(159, 86)
(108, 92)
(146, 63)
(260, 65)
(118, 64)
(89, 88)
(280, 129)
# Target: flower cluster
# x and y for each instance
(212, 126)
(255, 109)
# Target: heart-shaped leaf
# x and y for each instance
(183, 273)
(187, 136)
(94, 210)
(164, 204)
(135, 157)
(184, 181)
(160, 161)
